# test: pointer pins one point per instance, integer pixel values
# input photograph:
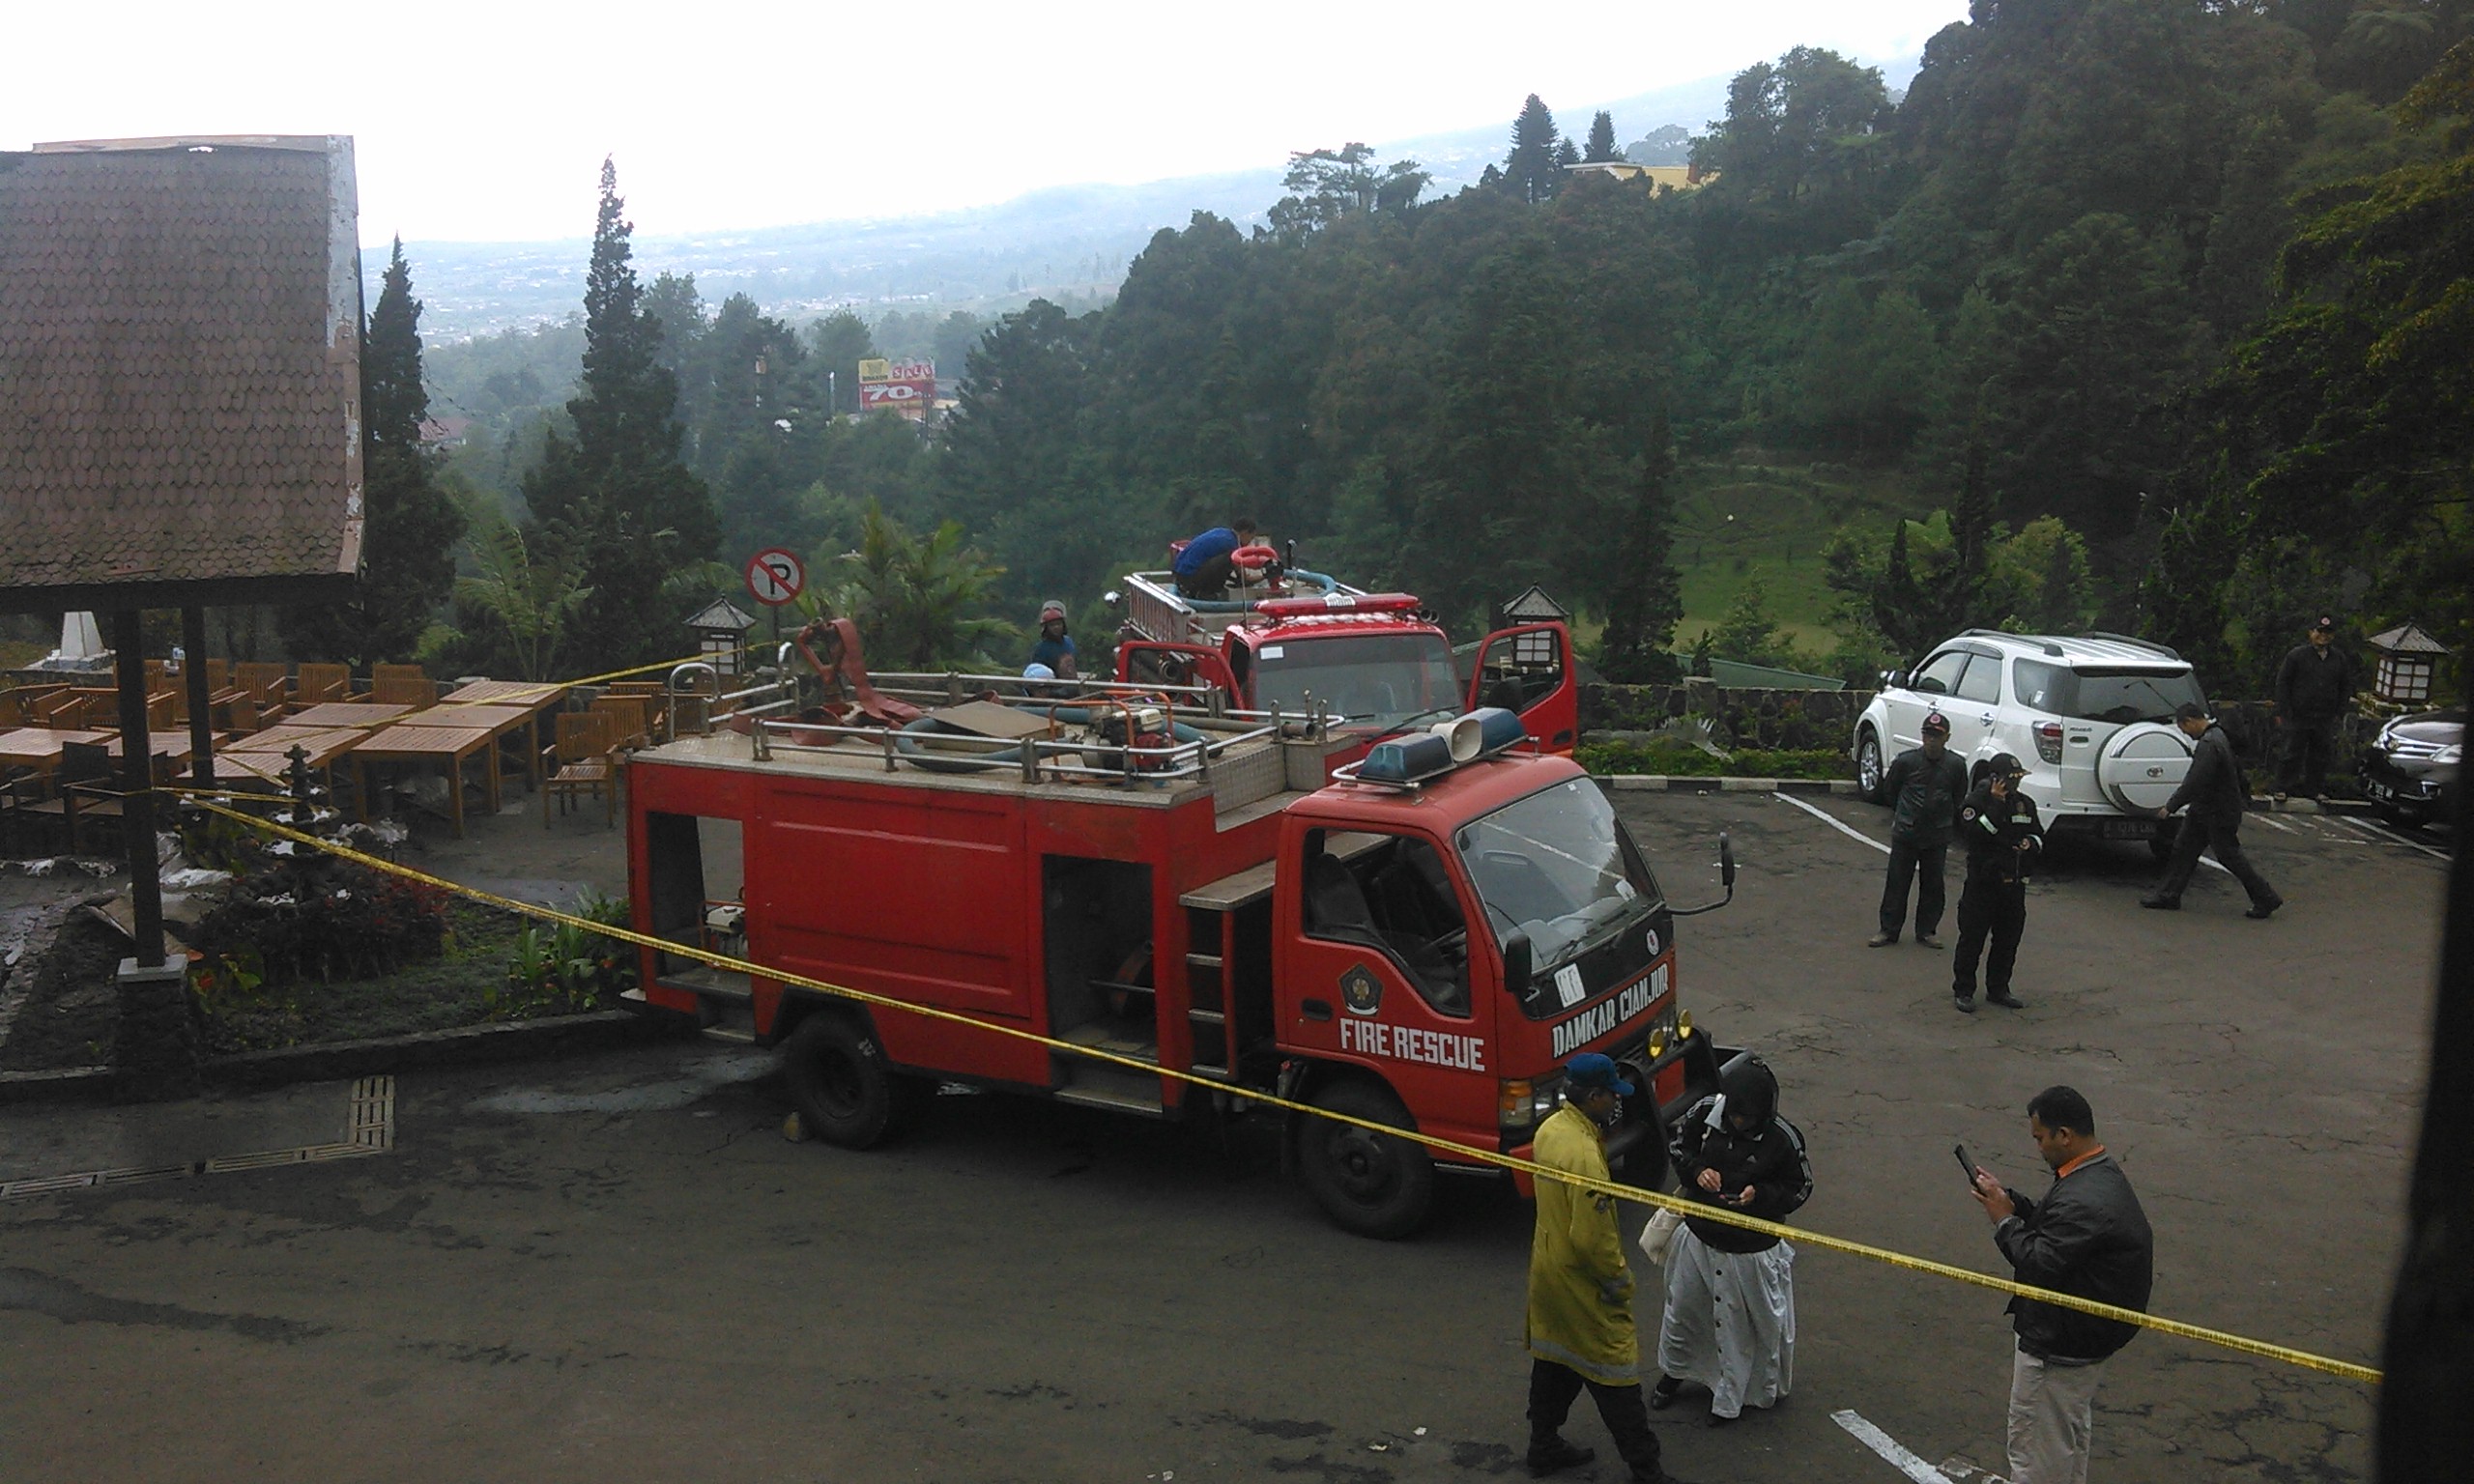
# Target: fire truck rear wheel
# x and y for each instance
(1367, 1182)
(843, 1090)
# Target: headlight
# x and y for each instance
(1524, 1103)
(2452, 753)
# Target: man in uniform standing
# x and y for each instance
(2315, 684)
(2088, 1238)
(1925, 786)
(1580, 1331)
(2000, 826)
(2213, 790)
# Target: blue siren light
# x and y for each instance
(1497, 729)
(1406, 760)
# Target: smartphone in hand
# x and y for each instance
(1965, 1163)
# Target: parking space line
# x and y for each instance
(2275, 823)
(2396, 837)
(1888, 1447)
(1850, 831)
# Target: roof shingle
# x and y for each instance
(179, 363)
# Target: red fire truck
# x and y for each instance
(1286, 639)
(1421, 939)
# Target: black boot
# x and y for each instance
(1554, 1455)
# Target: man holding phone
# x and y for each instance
(2087, 1237)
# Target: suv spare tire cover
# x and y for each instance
(2143, 764)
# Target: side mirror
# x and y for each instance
(1894, 680)
(1726, 862)
(1517, 964)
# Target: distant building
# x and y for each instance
(446, 432)
(1659, 177)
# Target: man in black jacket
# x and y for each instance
(2088, 1238)
(2217, 801)
(2000, 828)
(1925, 786)
(2315, 684)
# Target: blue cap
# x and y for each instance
(1590, 1070)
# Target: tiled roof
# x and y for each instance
(179, 363)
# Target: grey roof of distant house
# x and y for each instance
(180, 372)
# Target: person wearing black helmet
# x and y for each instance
(1730, 1318)
(1924, 787)
(2001, 831)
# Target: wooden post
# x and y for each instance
(137, 786)
(201, 703)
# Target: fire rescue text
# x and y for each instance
(1409, 1044)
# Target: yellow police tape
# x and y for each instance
(1801, 1235)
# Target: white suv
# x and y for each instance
(2090, 718)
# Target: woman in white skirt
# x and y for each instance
(1730, 1319)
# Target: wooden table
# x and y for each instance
(345, 713)
(169, 749)
(40, 747)
(323, 743)
(536, 699)
(419, 742)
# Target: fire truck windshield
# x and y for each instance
(1559, 868)
(1376, 679)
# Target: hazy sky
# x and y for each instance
(489, 121)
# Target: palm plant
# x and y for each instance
(920, 601)
(532, 600)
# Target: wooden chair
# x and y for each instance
(418, 692)
(582, 761)
(236, 715)
(320, 683)
(268, 684)
(378, 673)
(87, 789)
(218, 675)
(20, 789)
(629, 729)
(652, 692)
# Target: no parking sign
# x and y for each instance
(774, 577)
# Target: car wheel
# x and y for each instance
(2404, 819)
(842, 1087)
(1368, 1182)
(1868, 766)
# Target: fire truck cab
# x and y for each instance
(1421, 940)
(1376, 660)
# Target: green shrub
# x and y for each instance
(1681, 759)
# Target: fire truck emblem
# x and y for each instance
(1650, 943)
(1359, 990)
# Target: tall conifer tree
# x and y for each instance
(1530, 170)
(1648, 598)
(411, 525)
(615, 498)
(1602, 140)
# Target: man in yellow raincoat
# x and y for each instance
(1580, 1328)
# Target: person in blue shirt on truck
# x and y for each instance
(1054, 647)
(1204, 567)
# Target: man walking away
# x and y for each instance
(1204, 567)
(2088, 1238)
(2216, 799)
(1925, 786)
(1580, 1331)
(2315, 684)
(2001, 830)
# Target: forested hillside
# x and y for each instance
(2149, 313)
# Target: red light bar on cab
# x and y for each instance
(1337, 603)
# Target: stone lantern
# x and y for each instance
(2408, 664)
(720, 630)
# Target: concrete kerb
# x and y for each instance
(552, 1036)
(1672, 783)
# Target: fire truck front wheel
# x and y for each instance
(1368, 1182)
(843, 1090)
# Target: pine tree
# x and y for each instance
(1530, 170)
(1602, 140)
(615, 501)
(1648, 599)
(411, 525)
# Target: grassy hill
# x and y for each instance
(1744, 518)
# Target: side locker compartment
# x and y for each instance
(1102, 980)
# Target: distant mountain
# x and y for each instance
(1070, 240)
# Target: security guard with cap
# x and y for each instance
(1998, 824)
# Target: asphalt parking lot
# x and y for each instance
(616, 1267)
